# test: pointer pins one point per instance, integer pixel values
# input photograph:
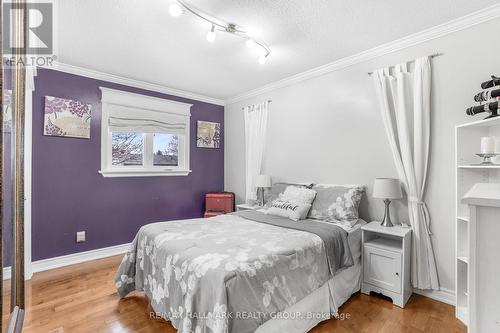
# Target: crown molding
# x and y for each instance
(461, 23)
(90, 73)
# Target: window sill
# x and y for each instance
(143, 173)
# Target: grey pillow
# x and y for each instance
(336, 202)
(279, 188)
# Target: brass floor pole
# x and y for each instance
(18, 98)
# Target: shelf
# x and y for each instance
(482, 123)
(483, 194)
(386, 244)
(494, 166)
(463, 259)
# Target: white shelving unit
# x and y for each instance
(469, 173)
(483, 268)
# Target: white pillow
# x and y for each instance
(289, 209)
(294, 203)
(298, 194)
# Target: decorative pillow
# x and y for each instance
(289, 209)
(337, 202)
(294, 203)
(279, 188)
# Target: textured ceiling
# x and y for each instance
(140, 40)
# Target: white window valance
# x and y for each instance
(117, 124)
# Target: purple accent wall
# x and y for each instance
(69, 194)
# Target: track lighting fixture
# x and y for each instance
(176, 9)
(250, 43)
(179, 7)
(211, 34)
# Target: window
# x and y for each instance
(143, 136)
(165, 149)
(127, 148)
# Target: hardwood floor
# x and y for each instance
(82, 298)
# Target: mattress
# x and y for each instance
(325, 301)
(318, 306)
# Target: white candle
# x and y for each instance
(487, 145)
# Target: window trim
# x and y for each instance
(110, 97)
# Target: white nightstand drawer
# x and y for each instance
(382, 268)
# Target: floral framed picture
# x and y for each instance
(208, 135)
(66, 117)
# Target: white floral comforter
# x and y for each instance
(223, 274)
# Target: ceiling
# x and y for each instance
(140, 40)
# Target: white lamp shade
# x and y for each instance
(262, 181)
(387, 188)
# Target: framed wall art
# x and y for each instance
(66, 117)
(208, 135)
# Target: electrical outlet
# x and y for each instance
(80, 236)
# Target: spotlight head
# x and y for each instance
(211, 34)
(175, 10)
(250, 43)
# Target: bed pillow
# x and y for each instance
(294, 203)
(288, 209)
(337, 202)
(279, 188)
(299, 194)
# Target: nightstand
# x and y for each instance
(386, 262)
(241, 207)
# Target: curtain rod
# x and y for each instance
(269, 101)
(438, 54)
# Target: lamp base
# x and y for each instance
(386, 222)
(260, 196)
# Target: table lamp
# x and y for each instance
(261, 182)
(387, 189)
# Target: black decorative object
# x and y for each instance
(486, 95)
(493, 106)
(495, 81)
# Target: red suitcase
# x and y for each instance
(219, 203)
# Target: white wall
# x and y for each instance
(328, 129)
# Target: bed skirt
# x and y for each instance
(317, 306)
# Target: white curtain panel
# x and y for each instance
(31, 72)
(404, 98)
(255, 142)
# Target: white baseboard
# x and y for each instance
(444, 295)
(7, 271)
(71, 259)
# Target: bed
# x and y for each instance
(243, 272)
